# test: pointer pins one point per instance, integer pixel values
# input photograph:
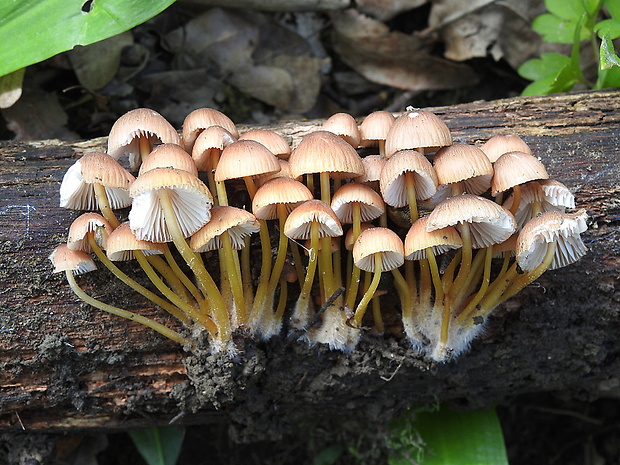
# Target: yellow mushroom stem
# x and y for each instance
(193, 260)
(246, 270)
(466, 257)
(174, 311)
(231, 269)
(301, 313)
(212, 162)
(173, 281)
(277, 317)
(425, 285)
(144, 146)
(361, 307)
(404, 292)
(516, 284)
(411, 196)
(516, 199)
(161, 329)
(376, 314)
(471, 306)
(104, 205)
(174, 266)
(354, 280)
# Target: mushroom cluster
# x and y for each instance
(455, 229)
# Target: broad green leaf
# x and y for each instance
(555, 29)
(159, 446)
(566, 9)
(609, 28)
(543, 86)
(613, 7)
(608, 57)
(461, 438)
(608, 78)
(548, 64)
(34, 30)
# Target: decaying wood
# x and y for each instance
(66, 366)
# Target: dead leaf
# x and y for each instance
(487, 27)
(393, 58)
(384, 10)
(96, 65)
(11, 87)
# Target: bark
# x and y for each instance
(65, 366)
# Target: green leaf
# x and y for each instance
(613, 7)
(461, 438)
(608, 57)
(329, 455)
(554, 29)
(159, 446)
(45, 28)
(608, 78)
(609, 28)
(566, 9)
(548, 64)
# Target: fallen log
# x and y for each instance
(65, 366)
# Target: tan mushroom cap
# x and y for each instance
(299, 221)
(202, 118)
(286, 191)
(323, 151)
(348, 238)
(141, 122)
(466, 164)
(371, 203)
(122, 243)
(417, 130)
(168, 156)
(237, 222)
(345, 127)
(245, 158)
(508, 246)
(77, 261)
(373, 165)
(515, 168)
(562, 228)
(392, 182)
(191, 199)
(77, 191)
(378, 241)
(276, 143)
(489, 222)
(285, 172)
(550, 194)
(85, 224)
(498, 145)
(210, 142)
(375, 127)
(418, 239)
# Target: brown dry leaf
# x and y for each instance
(393, 58)
(482, 27)
(384, 10)
(96, 65)
(255, 54)
(11, 87)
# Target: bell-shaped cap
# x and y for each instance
(417, 130)
(418, 239)
(202, 118)
(65, 259)
(562, 228)
(345, 127)
(299, 222)
(276, 143)
(375, 128)
(515, 168)
(393, 177)
(245, 158)
(238, 223)
(85, 224)
(378, 241)
(168, 156)
(276, 191)
(498, 145)
(370, 202)
(122, 243)
(209, 145)
(466, 164)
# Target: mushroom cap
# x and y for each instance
(299, 221)
(392, 182)
(551, 195)
(417, 129)
(168, 156)
(191, 199)
(237, 222)
(375, 127)
(371, 203)
(345, 127)
(373, 165)
(212, 140)
(245, 158)
(276, 191)
(378, 240)
(498, 145)
(276, 143)
(348, 238)
(562, 228)
(466, 164)
(323, 151)
(489, 222)
(88, 223)
(509, 245)
(65, 259)
(418, 239)
(122, 243)
(202, 118)
(140, 122)
(514, 168)
(285, 172)
(77, 191)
